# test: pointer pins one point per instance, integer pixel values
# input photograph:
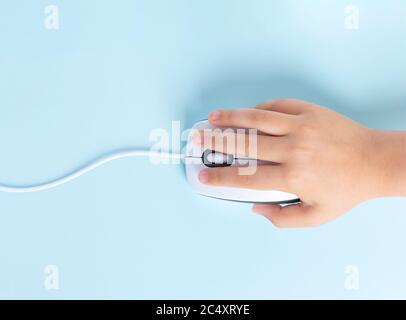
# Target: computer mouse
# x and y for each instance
(198, 158)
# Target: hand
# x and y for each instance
(331, 162)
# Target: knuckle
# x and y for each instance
(305, 130)
(299, 149)
(254, 116)
(293, 177)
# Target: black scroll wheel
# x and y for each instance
(213, 159)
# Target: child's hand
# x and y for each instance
(331, 162)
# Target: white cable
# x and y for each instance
(97, 163)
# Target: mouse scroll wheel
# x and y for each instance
(213, 159)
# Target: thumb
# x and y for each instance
(290, 216)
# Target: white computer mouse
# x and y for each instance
(198, 158)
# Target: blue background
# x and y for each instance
(118, 69)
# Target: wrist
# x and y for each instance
(388, 154)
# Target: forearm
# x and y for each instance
(391, 156)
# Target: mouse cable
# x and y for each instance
(87, 168)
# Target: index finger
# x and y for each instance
(270, 122)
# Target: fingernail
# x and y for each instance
(215, 115)
(203, 176)
(197, 138)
